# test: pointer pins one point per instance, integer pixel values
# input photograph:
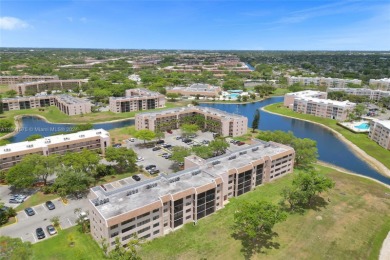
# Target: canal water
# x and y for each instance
(330, 148)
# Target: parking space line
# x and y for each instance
(21, 238)
(44, 208)
(34, 237)
(69, 221)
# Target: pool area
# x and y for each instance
(357, 127)
(234, 95)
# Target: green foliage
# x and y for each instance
(306, 151)
(179, 153)
(203, 151)
(125, 158)
(56, 221)
(86, 161)
(72, 182)
(4, 142)
(6, 126)
(128, 253)
(159, 135)
(172, 96)
(11, 93)
(233, 84)
(145, 134)
(14, 249)
(189, 129)
(219, 145)
(21, 175)
(256, 121)
(33, 137)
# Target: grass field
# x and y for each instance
(36, 199)
(58, 248)
(361, 140)
(353, 224)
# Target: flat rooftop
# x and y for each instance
(71, 100)
(385, 123)
(130, 197)
(207, 110)
(327, 101)
(56, 139)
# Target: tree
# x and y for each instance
(179, 153)
(125, 158)
(203, 151)
(33, 137)
(128, 253)
(56, 221)
(159, 135)
(245, 98)
(45, 166)
(189, 129)
(11, 93)
(6, 126)
(72, 182)
(219, 145)
(86, 161)
(15, 249)
(1, 106)
(359, 110)
(253, 224)
(172, 96)
(256, 120)
(82, 220)
(145, 134)
(21, 175)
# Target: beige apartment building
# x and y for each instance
(136, 100)
(383, 84)
(204, 90)
(25, 78)
(67, 104)
(372, 94)
(380, 132)
(95, 139)
(290, 97)
(32, 88)
(322, 81)
(215, 120)
(327, 108)
(158, 206)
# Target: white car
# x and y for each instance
(140, 159)
(131, 139)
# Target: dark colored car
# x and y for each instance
(160, 142)
(136, 178)
(117, 145)
(169, 131)
(156, 148)
(50, 205)
(154, 171)
(150, 167)
(29, 211)
(187, 140)
(167, 146)
(14, 200)
(240, 143)
(40, 233)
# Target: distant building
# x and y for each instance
(383, 84)
(95, 139)
(315, 103)
(380, 132)
(217, 121)
(372, 94)
(32, 88)
(67, 104)
(158, 206)
(136, 100)
(204, 90)
(25, 78)
(322, 81)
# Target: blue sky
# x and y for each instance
(222, 25)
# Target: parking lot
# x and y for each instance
(164, 165)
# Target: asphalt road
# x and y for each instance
(26, 225)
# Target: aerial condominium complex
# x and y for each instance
(95, 139)
(32, 88)
(290, 97)
(157, 206)
(322, 81)
(315, 103)
(24, 78)
(372, 94)
(136, 100)
(383, 84)
(204, 90)
(212, 119)
(380, 132)
(67, 104)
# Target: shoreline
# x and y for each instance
(354, 148)
(19, 124)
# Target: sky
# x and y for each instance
(196, 25)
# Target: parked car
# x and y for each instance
(205, 142)
(187, 140)
(169, 131)
(15, 200)
(154, 171)
(150, 167)
(160, 142)
(50, 205)
(156, 148)
(178, 137)
(117, 145)
(131, 139)
(167, 146)
(40, 233)
(136, 178)
(140, 159)
(240, 143)
(168, 156)
(29, 211)
(51, 230)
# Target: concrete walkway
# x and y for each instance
(385, 250)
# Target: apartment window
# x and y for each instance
(188, 210)
(143, 230)
(188, 217)
(128, 228)
(146, 236)
(155, 217)
(156, 225)
(113, 227)
(156, 232)
(143, 215)
(156, 210)
(127, 237)
(143, 222)
(127, 221)
(114, 234)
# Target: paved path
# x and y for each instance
(385, 250)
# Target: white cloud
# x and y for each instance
(12, 23)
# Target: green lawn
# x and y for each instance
(280, 91)
(36, 199)
(353, 224)
(58, 248)
(361, 140)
